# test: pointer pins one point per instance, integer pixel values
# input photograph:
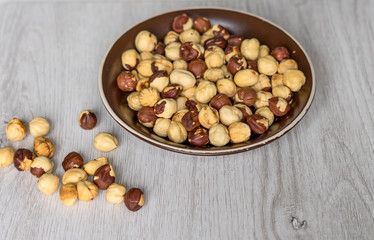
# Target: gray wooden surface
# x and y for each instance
(320, 172)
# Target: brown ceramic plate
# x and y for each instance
(239, 23)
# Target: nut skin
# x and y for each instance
(147, 116)
(198, 137)
(87, 119)
(219, 31)
(39, 126)
(134, 199)
(201, 24)
(104, 176)
(252, 64)
(245, 110)
(182, 23)
(197, 67)
(215, 41)
(279, 106)
(6, 156)
(231, 51)
(74, 175)
(72, 160)
(115, 193)
(23, 159)
(40, 166)
(172, 91)
(159, 49)
(190, 120)
(68, 194)
(93, 165)
(235, 40)
(105, 142)
(280, 53)
(48, 183)
(236, 63)
(187, 52)
(44, 147)
(220, 100)
(126, 81)
(87, 191)
(15, 130)
(246, 95)
(257, 123)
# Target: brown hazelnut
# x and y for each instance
(23, 159)
(262, 99)
(165, 108)
(257, 123)
(15, 130)
(183, 77)
(48, 183)
(41, 165)
(177, 117)
(201, 24)
(219, 31)
(133, 101)
(231, 51)
(145, 41)
(267, 65)
(130, 59)
(182, 23)
(246, 78)
(126, 81)
(87, 191)
(147, 116)
(250, 48)
(294, 79)
(144, 68)
(252, 64)
(229, 115)
(172, 51)
(214, 74)
(104, 176)
(149, 97)
(176, 132)
(189, 52)
(162, 65)
(226, 86)
(44, 147)
(161, 127)
(218, 135)
(39, 127)
(287, 64)
(190, 35)
(190, 120)
(170, 37)
(236, 63)
(239, 132)
(180, 64)
(171, 91)
(279, 106)
(6, 156)
(280, 53)
(93, 165)
(159, 49)
(215, 41)
(235, 40)
(197, 67)
(245, 110)
(283, 92)
(220, 100)
(263, 83)
(205, 91)
(266, 113)
(68, 194)
(246, 95)
(72, 160)
(87, 119)
(193, 105)
(198, 137)
(208, 116)
(159, 80)
(134, 199)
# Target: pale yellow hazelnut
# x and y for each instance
(287, 64)
(180, 64)
(172, 51)
(205, 91)
(39, 127)
(170, 37)
(142, 84)
(190, 35)
(41, 165)
(182, 77)
(161, 127)
(181, 103)
(262, 99)
(159, 83)
(188, 25)
(214, 74)
(230, 114)
(163, 64)
(266, 113)
(226, 73)
(133, 101)
(267, 65)
(15, 130)
(276, 80)
(226, 86)
(74, 175)
(105, 142)
(115, 193)
(294, 79)
(219, 135)
(246, 78)
(130, 58)
(146, 56)
(264, 50)
(177, 117)
(239, 132)
(215, 58)
(165, 108)
(250, 48)
(262, 84)
(283, 92)
(145, 41)
(48, 183)
(87, 191)
(144, 68)
(68, 194)
(208, 116)
(91, 166)
(6, 156)
(189, 93)
(149, 97)
(176, 132)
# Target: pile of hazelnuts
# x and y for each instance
(204, 85)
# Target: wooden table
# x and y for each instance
(321, 172)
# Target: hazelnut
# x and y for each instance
(262, 99)
(264, 50)
(87, 191)
(263, 83)
(162, 65)
(252, 64)
(68, 194)
(182, 77)
(149, 97)
(176, 132)
(145, 41)
(39, 127)
(159, 48)
(189, 93)
(105, 142)
(294, 79)
(126, 81)
(276, 80)
(172, 51)
(219, 31)
(72, 160)
(190, 120)
(246, 78)
(227, 87)
(236, 63)
(246, 95)
(93, 165)
(205, 91)
(215, 59)
(235, 40)
(146, 56)
(142, 84)
(115, 193)
(48, 183)
(134, 199)
(214, 74)
(219, 135)
(165, 108)
(208, 116)
(161, 127)
(229, 115)
(6, 156)
(279, 106)
(44, 147)
(182, 23)
(40, 166)
(197, 67)
(267, 65)
(250, 48)
(144, 68)
(283, 92)
(280, 53)
(231, 51)
(190, 35)
(287, 64)
(257, 123)
(189, 51)
(177, 117)
(147, 116)
(193, 105)
(198, 137)
(215, 41)
(104, 176)
(87, 119)
(239, 132)
(74, 175)
(130, 59)
(201, 24)
(266, 113)
(220, 100)
(15, 130)
(159, 80)
(170, 37)
(23, 159)
(133, 101)
(180, 64)
(244, 109)
(171, 91)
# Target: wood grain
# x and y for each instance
(320, 172)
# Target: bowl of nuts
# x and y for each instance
(207, 81)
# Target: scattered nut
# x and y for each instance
(68, 194)
(15, 130)
(72, 160)
(134, 199)
(74, 175)
(219, 135)
(115, 193)
(44, 147)
(87, 119)
(6, 156)
(48, 183)
(147, 117)
(104, 176)
(105, 142)
(93, 165)
(87, 191)
(39, 127)
(23, 159)
(239, 132)
(40, 166)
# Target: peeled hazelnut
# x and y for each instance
(219, 135)
(190, 120)
(231, 51)
(74, 175)
(133, 101)
(190, 35)
(104, 176)
(182, 77)
(266, 113)
(279, 106)
(165, 108)
(262, 99)
(93, 165)
(182, 23)
(220, 100)
(250, 48)
(87, 191)
(115, 193)
(40, 166)
(227, 87)
(149, 97)
(276, 80)
(134, 199)
(263, 83)
(246, 78)
(189, 93)
(142, 84)
(23, 159)
(267, 65)
(68, 194)
(176, 132)
(6, 156)
(72, 160)
(87, 119)
(171, 91)
(215, 41)
(39, 127)
(205, 91)
(146, 56)
(147, 116)
(239, 132)
(15, 130)
(177, 117)
(208, 116)
(294, 79)
(159, 48)
(144, 68)
(197, 67)
(245, 110)
(145, 41)
(246, 95)
(264, 50)
(214, 74)
(236, 63)
(189, 51)
(172, 51)
(170, 37)
(43, 147)
(130, 59)
(229, 115)
(161, 127)
(105, 142)
(126, 81)
(280, 53)
(159, 80)
(215, 59)
(162, 65)
(48, 183)
(180, 64)
(201, 24)
(198, 137)
(257, 123)
(287, 64)
(283, 92)
(252, 64)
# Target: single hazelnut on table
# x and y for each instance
(190, 35)
(147, 117)
(246, 78)
(276, 80)
(180, 64)
(176, 132)
(235, 40)
(87, 191)
(257, 123)
(231, 51)
(68, 194)
(133, 101)
(182, 23)
(105, 142)
(87, 119)
(172, 51)
(6, 156)
(134, 199)
(219, 135)
(161, 65)
(130, 59)
(287, 64)
(177, 117)
(262, 99)
(23, 159)
(165, 108)
(189, 51)
(91, 166)
(172, 91)
(149, 97)
(44, 147)
(229, 115)
(264, 50)
(159, 80)
(48, 183)
(15, 130)
(215, 41)
(246, 95)
(104, 176)
(40, 166)
(39, 127)
(74, 175)
(161, 127)
(250, 48)
(280, 53)
(198, 137)
(214, 74)
(236, 63)
(244, 109)
(144, 68)
(182, 77)
(294, 79)
(201, 24)
(220, 100)
(197, 67)
(145, 41)
(142, 84)
(115, 193)
(205, 91)
(279, 106)
(72, 160)
(145, 56)
(263, 83)
(126, 81)
(283, 92)
(267, 65)
(265, 112)
(226, 86)
(208, 116)
(252, 64)
(159, 48)
(239, 132)
(170, 37)
(190, 120)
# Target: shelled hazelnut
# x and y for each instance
(39, 127)
(246, 78)
(104, 176)
(176, 132)
(149, 97)
(182, 23)
(263, 51)
(214, 74)
(205, 91)
(142, 84)
(145, 56)
(145, 41)
(144, 68)
(147, 117)
(190, 120)
(219, 101)
(180, 64)
(208, 116)
(287, 64)
(201, 24)
(276, 80)
(190, 35)
(130, 59)
(219, 135)
(231, 51)
(279, 106)
(126, 81)
(48, 183)
(40, 166)
(159, 80)
(72, 160)
(183, 77)
(215, 41)
(165, 108)
(229, 115)
(294, 79)
(177, 117)
(280, 53)
(189, 93)
(265, 112)
(263, 83)
(267, 65)
(74, 175)
(161, 127)
(44, 147)
(170, 37)
(161, 65)
(236, 63)
(6, 156)
(87, 119)
(197, 67)
(15, 130)
(23, 159)
(239, 132)
(227, 87)
(262, 99)
(115, 193)
(283, 92)
(181, 103)
(172, 91)
(198, 137)
(172, 51)
(68, 194)
(105, 142)
(87, 191)
(91, 166)
(250, 48)
(133, 101)
(245, 110)
(257, 123)
(214, 58)
(246, 95)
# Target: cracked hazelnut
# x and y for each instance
(197, 67)
(93, 165)
(189, 51)
(250, 48)
(287, 64)
(263, 83)
(262, 99)
(87, 119)
(214, 74)
(72, 160)
(126, 81)
(165, 108)
(104, 176)
(201, 24)
(239, 132)
(182, 23)
(39, 127)
(147, 116)
(105, 142)
(161, 127)
(219, 135)
(115, 193)
(177, 117)
(283, 92)
(68, 194)
(245, 110)
(133, 101)
(190, 35)
(198, 137)
(220, 100)
(190, 120)
(257, 123)
(294, 79)
(205, 91)
(235, 40)
(142, 84)
(215, 41)
(145, 41)
(172, 91)
(183, 77)
(280, 53)
(172, 51)
(236, 63)
(279, 106)
(23, 159)
(130, 59)
(146, 56)
(6, 156)
(266, 113)
(170, 37)
(227, 87)
(231, 51)
(246, 78)
(144, 68)
(134, 199)
(44, 147)
(159, 80)
(87, 191)
(149, 97)
(208, 116)
(15, 130)
(48, 183)
(264, 50)
(40, 166)
(162, 65)
(267, 65)
(246, 95)
(74, 175)
(252, 64)
(276, 80)
(229, 115)
(180, 64)
(159, 48)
